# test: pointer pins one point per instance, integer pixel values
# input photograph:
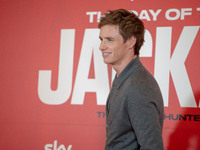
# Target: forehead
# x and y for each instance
(109, 31)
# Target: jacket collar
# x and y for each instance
(126, 72)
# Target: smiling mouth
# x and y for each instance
(106, 54)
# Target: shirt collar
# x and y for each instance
(126, 72)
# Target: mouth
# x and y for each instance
(106, 54)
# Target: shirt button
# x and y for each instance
(106, 125)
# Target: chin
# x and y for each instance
(107, 62)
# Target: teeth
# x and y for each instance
(105, 54)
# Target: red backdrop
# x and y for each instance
(54, 83)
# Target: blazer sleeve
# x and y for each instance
(145, 120)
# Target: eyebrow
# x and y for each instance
(106, 38)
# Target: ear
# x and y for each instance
(131, 42)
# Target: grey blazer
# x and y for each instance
(134, 111)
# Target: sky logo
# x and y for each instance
(55, 146)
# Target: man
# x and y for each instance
(134, 109)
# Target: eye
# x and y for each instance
(110, 39)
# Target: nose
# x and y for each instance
(102, 46)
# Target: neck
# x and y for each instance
(120, 68)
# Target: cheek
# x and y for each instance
(115, 47)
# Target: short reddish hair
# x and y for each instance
(129, 25)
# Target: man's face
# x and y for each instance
(113, 48)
